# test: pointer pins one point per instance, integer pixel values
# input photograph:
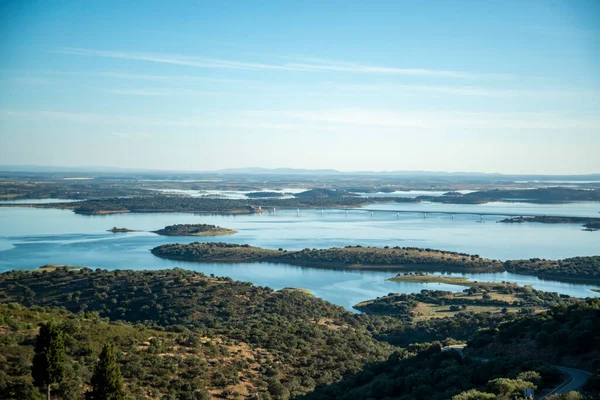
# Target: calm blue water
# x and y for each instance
(581, 209)
(32, 237)
(37, 201)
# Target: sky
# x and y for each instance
(480, 86)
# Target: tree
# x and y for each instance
(49, 359)
(474, 395)
(505, 387)
(107, 382)
(531, 376)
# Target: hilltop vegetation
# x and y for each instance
(292, 341)
(350, 256)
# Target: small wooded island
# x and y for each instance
(194, 230)
(584, 269)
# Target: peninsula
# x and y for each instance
(353, 257)
(583, 269)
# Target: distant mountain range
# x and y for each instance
(281, 171)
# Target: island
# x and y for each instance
(194, 230)
(114, 229)
(589, 223)
(352, 257)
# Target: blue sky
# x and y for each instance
(489, 86)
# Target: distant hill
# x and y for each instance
(324, 193)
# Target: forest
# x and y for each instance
(278, 341)
(183, 335)
(498, 363)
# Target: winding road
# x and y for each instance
(577, 378)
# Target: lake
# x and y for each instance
(32, 237)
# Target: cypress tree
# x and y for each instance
(49, 359)
(107, 382)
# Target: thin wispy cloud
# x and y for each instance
(132, 135)
(461, 90)
(435, 119)
(323, 65)
(236, 120)
(336, 120)
(166, 92)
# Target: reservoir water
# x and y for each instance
(31, 237)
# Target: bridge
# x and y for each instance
(500, 214)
